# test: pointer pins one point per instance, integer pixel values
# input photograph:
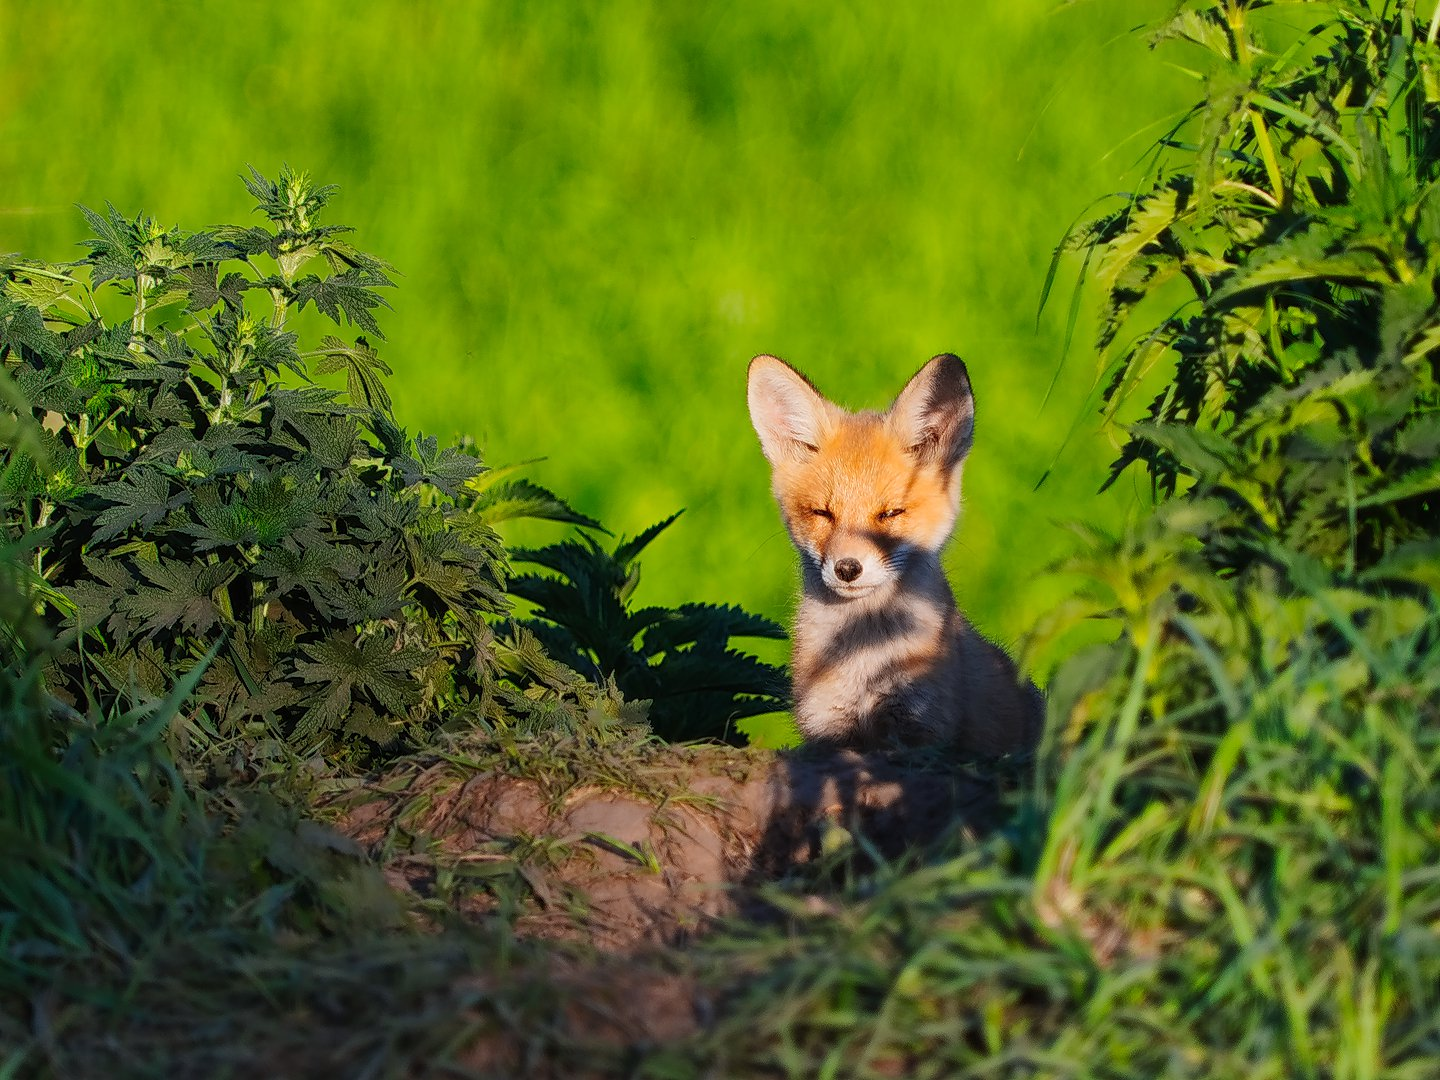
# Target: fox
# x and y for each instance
(881, 652)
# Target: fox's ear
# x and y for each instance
(788, 413)
(935, 414)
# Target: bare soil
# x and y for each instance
(654, 864)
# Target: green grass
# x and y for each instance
(603, 211)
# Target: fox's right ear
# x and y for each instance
(788, 413)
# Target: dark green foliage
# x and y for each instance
(110, 846)
(198, 489)
(1296, 242)
(678, 658)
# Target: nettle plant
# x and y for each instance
(198, 486)
(1290, 240)
(1292, 233)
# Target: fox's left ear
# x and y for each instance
(935, 414)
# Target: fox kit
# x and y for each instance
(880, 650)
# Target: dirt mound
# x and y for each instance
(649, 853)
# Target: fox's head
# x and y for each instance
(864, 493)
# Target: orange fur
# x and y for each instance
(870, 499)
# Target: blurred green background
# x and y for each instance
(601, 211)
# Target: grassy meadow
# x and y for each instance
(602, 211)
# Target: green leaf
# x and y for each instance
(364, 370)
(350, 296)
(381, 594)
(375, 667)
(185, 596)
(520, 498)
(205, 289)
(1146, 219)
(627, 550)
(446, 469)
(1418, 481)
(710, 625)
(23, 327)
(141, 500)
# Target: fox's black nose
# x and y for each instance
(847, 569)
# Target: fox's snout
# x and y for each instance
(851, 564)
(853, 577)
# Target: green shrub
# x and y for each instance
(200, 486)
(1247, 784)
(194, 484)
(1296, 242)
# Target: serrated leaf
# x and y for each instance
(374, 667)
(40, 291)
(364, 370)
(293, 408)
(246, 240)
(201, 287)
(1144, 223)
(627, 550)
(289, 566)
(140, 500)
(334, 441)
(521, 498)
(267, 511)
(1418, 481)
(709, 625)
(183, 596)
(349, 297)
(447, 469)
(1207, 453)
(24, 327)
(381, 594)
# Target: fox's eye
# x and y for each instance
(886, 515)
(826, 514)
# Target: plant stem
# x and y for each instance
(143, 281)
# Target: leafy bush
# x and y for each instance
(1296, 242)
(1246, 783)
(137, 906)
(194, 483)
(201, 486)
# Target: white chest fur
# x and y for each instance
(867, 671)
